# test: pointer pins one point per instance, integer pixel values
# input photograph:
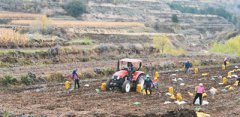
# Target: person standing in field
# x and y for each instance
(238, 79)
(200, 91)
(225, 62)
(76, 79)
(147, 83)
(187, 66)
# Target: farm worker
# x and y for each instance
(147, 83)
(225, 62)
(200, 91)
(76, 78)
(187, 66)
(130, 70)
(238, 79)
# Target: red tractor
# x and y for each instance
(127, 76)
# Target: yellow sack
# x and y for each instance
(173, 97)
(201, 114)
(236, 83)
(228, 63)
(190, 94)
(156, 75)
(196, 70)
(223, 67)
(229, 74)
(225, 80)
(139, 88)
(204, 95)
(179, 97)
(171, 90)
(204, 74)
(104, 87)
(227, 86)
(231, 88)
(67, 85)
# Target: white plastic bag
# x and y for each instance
(182, 84)
(180, 79)
(205, 102)
(167, 102)
(168, 94)
(197, 102)
(180, 103)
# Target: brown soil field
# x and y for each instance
(52, 99)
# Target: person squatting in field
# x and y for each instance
(200, 91)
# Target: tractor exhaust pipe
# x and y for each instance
(118, 65)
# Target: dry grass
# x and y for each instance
(65, 23)
(11, 37)
(16, 15)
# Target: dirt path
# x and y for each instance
(66, 68)
(52, 99)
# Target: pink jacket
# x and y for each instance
(200, 89)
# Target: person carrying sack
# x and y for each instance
(200, 91)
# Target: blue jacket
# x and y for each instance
(188, 65)
(148, 81)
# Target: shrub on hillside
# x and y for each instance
(11, 39)
(209, 10)
(26, 80)
(8, 80)
(175, 18)
(232, 46)
(88, 74)
(75, 8)
(105, 48)
(84, 41)
(55, 77)
(5, 21)
(108, 71)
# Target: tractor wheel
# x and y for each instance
(108, 84)
(140, 81)
(126, 87)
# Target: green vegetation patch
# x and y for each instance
(83, 41)
(232, 46)
(75, 8)
(164, 45)
(8, 80)
(209, 10)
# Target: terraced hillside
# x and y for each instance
(196, 30)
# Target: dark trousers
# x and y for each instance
(130, 75)
(225, 63)
(148, 87)
(198, 95)
(76, 82)
(238, 81)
